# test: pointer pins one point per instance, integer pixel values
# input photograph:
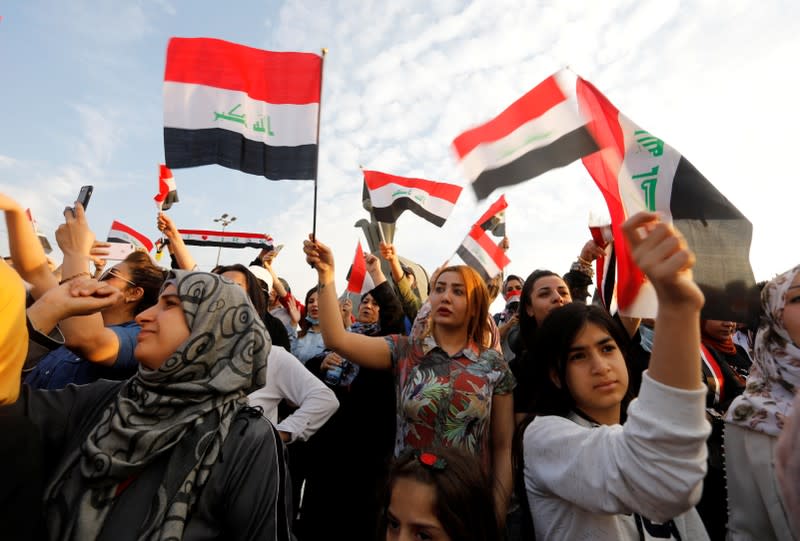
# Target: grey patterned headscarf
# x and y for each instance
(775, 374)
(185, 408)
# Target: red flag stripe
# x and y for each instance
(442, 190)
(119, 226)
(532, 105)
(604, 127)
(358, 272)
(273, 77)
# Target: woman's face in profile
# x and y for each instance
(163, 330)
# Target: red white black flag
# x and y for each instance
(167, 192)
(494, 219)
(542, 130)
(482, 254)
(120, 232)
(242, 108)
(226, 239)
(358, 280)
(391, 195)
(638, 171)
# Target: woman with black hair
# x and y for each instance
(586, 475)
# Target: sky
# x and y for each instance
(717, 80)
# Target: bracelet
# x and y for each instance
(65, 280)
(584, 261)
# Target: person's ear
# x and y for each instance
(134, 294)
(554, 378)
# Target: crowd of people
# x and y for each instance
(141, 402)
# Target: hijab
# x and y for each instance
(183, 410)
(775, 374)
(726, 346)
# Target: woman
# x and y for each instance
(143, 459)
(352, 450)
(756, 418)
(451, 389)
(241, 276)
(308, 343)
(585, 474)
(440, 494)
(101, 346)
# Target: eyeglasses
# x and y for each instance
(114, 273)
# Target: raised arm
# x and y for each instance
(662, 254)
(367, 351)
(176, 245)
(27, 253)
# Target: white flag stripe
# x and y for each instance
(539, 132)
(480, 254)
(196, 107)
(382, 197)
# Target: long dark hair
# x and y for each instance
(527, 323)
(254, 290)
(304, 323)
(464, 497)
(148, 276)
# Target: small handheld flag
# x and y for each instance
(167, 192)
(359, 281)
(494, 219)
(482, 254)
(391, 195)
(120, 232)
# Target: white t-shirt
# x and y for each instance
(288, 378)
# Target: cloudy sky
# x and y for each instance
(716, 80)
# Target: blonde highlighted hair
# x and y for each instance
(478, 328)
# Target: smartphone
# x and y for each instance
(85, 195)
(119, 250)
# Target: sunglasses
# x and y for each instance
(114, 273)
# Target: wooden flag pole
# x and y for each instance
(316, 161)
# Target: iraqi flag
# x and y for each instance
(391, 195)
(482, 254)
(494, 219)
(606, 267)
(358, 280)
(167, 192)
(542, 130)
(120, 232)
(243, 108)
(226, 239)
(637, 171)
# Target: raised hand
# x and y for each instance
(167, 226)
(591, 251)
(387, 251)
(74, 235)
(663, 255)
(320, 257)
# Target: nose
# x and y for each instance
(146, 315)
(599, 363)
(558, 299)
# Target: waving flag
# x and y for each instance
(167, 192)
(358, 280)
(120, 232)
(482, 254)
(494, 219)
(638, 171)
(226, 239)
(242, 108)
(391, 195)
(540, 131)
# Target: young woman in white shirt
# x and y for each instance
(586, 475)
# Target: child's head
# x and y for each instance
(439, 494)
(579, 363)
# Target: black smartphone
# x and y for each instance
(85, 195)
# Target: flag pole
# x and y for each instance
(316, 161)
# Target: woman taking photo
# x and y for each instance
(143, 459)
(451, 390)
(588, 476)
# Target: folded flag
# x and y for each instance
(482, 254)
(494, 219)
(638, 171)
(42, 239)
(391, 195)
(226, 239)
(120, 232)
(542, 130)
(606, 267)
(358, 280)
(243, 108)
(167, 192)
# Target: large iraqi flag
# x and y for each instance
(637, 171)
(242, 108)
(391, 195)
(540, 131)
